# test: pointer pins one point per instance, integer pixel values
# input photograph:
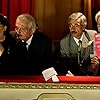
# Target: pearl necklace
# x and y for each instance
(1, 49)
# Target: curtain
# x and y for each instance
(91, 7)
(95, 4)
(51, 15)
(12, 8)
(87, 12)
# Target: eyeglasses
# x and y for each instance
(21, 29)
(76, 25)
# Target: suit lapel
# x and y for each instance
(85, 48)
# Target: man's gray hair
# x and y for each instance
(78, 16)
(29, 18)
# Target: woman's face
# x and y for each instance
(2, 29)
(98, 24)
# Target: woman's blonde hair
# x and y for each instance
(97, 16)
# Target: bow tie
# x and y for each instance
(24, 43)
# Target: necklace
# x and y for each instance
(1, 49)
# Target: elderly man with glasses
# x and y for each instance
(33, 50)
(76, 48)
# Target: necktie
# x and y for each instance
(79, 51)
(24, 44)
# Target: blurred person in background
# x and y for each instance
(6, 45)
(97, 36)
(97, 19)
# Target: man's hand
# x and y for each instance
(94, 62)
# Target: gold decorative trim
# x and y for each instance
(49, 86)
(55, 96)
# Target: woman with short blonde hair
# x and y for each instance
(97, 19)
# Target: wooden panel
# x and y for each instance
(39, 13)
(52, 16)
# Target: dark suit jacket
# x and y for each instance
(36, 59)
(5, 61)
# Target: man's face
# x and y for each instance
(98, 24)
(22, 29)
(75, 28)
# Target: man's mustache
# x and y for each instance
(73, 32)
(18, 35)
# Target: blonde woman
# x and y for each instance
(97, 19)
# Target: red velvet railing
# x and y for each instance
(62, 79)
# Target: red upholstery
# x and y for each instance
(40, 79)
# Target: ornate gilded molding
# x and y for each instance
(55, 96)
(49, 86)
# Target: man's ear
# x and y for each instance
(5, 28)
(33, 30)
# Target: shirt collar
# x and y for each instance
(29, 40)
(76, 40)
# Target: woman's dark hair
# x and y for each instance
(4, 22)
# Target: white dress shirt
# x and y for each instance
(28, 42)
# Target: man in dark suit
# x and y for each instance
(33, 50)
(75, 56)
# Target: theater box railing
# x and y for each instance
(36, 88)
